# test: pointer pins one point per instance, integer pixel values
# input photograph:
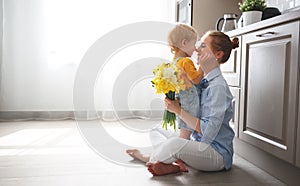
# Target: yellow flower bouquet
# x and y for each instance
(168, 80)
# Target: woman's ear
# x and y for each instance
(219, 54)
(183, 42)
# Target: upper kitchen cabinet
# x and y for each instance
(205, 13)
(269, 90)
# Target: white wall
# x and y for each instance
(283, 5)
(207, 12)
(45, 40)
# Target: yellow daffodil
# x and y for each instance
(168, 80)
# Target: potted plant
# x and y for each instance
(252, 10)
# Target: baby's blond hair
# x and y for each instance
(178, 34)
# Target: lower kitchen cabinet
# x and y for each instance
(298, 136)
(269, 90)
(235, 91)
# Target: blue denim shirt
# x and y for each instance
(215, 114)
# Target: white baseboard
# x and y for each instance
(79, 115)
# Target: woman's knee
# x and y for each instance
(175, 144)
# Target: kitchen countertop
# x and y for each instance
(284, 18)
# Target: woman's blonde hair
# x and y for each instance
(222, 42)
(178, 34)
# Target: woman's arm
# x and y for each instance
(191, 121)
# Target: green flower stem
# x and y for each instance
(169, 117)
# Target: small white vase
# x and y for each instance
(250, 17)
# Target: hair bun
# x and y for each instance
(235, 42)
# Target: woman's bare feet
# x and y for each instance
(183, 167)
(159, 168)
(136, 154)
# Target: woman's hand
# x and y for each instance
(172, 106)
(191, 121)
(206, 58)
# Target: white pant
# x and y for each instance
(198, 155)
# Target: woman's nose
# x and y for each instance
(198, 49)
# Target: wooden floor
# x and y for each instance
(43, 153)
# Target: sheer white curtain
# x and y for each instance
(43, 42)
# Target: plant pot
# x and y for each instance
(250, 17)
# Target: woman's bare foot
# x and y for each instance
(159, 168)
(136, 154)
(183, 167)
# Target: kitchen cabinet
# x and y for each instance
(231, 72)
(269, 90)
(298, 135)
(234, 122)
(268, 120)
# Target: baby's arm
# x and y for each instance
(193, 75)
(198, 79)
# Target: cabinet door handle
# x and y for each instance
(233, 108)
(265, 34)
